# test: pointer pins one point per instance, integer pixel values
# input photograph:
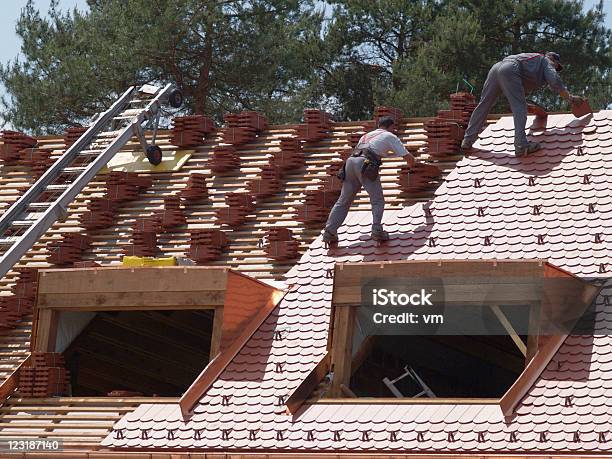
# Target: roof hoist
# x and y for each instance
(136, 111)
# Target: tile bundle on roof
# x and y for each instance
(317, 124)
(68, 249)
(13, 143)
(21, 301)
(144, 238)
(125, 186)
(243, 127)
(190, 131)
(206, 245)
(291, 155)
(37, 159)
(171, 215)
(280, 244)
(100, 213)
(45, 376)
(491, 194)
(445, 132)
(224, 159)
(195, 189)
(72, 134)
(388, 112)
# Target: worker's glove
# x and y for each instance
(575, 100)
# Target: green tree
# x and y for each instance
(424, 48)
(225, 56)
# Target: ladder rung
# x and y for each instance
(73, 169)
(90, 152)
(23, 223)
(58, 187)
(8, 241)
(130, 112)
(39, 205)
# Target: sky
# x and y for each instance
(11, 9)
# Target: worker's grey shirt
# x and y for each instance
(536, 71)
(384, 143)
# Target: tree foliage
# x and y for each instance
(280, 56)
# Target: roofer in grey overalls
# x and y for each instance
(514, 76)
(361, 169)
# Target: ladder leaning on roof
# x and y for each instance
(47, 200)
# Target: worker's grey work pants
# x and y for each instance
(350, 187)
(505, 76)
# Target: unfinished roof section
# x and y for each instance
(554, 205)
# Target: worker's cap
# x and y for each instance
(556, 59)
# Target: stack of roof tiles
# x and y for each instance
(268, 182)
(206, 245)
(238, 206)
(419, 177)
(390, 112)
(100, 213)
(72, 134)
(45, 377)
(281, 245)
(190, 131)
(195, 189)
(144, 238)
(68, 249)
(37, 159)
(224, 159)
(444, 133)
(317, 204)
(171, 215)
(290, 157)
(125, 186)
(13, 143)
(14, 307)
(353, 139)
(317, 125)
(243, 127)
(121, 187)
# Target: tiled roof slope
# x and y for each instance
(244, 253)
(568, 408)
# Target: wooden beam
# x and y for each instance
(46, 330)
(122, 279)
(131, 301)
(534, 328)
(342, 345)
(362, 353)
(510, 329)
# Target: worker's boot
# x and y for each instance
(527, 149)
(466, 146)
(380, 235)
(329, 238)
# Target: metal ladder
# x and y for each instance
(47, 200)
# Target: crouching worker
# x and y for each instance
(361, 170)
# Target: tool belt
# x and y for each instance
(370, 166)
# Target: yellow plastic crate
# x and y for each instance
(148, 261)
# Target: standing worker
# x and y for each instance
(361, 169)
(514, 76)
